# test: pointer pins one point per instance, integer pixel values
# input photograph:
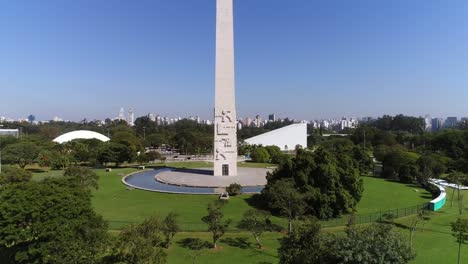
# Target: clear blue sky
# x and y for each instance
(298, 58)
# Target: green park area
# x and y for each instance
(121, 206)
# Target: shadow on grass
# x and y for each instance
(239, 242)
(257, 201)
(194, 244)
(426, 196)
(37, 170)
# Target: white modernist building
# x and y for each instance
(286, 138)
(80, 134)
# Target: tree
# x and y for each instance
(141, 243)
(21, 154)
(256, 222)
(50, 221)
(114, 153)
(276, 155)
(54, 159)
(302, 245)
(170, 228)
(365, 163)
(215, 222)
(283, 198)
(143, 158)
(44, 159)
(460, 232)
(420, 217)
(320, 183)
(430, 166)
(84, 177)
(400, 122)
(234, 189)
(11, 175)
(456, 178)
(374, 244)
(260, 154)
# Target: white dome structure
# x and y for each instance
(80, 134)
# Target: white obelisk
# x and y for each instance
(225, 138)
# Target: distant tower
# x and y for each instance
(31, 118)
(225, 136)
(122, 114)
(131, 117)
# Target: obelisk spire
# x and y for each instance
(225, 138)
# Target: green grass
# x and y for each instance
(233, 248)
(40, 175)
(382, 195)
(434, 242)
(121, 207)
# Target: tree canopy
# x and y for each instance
(327, 183)
(49, 222)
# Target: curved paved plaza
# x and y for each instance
(204, 177)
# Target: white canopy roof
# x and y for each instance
(286, 138)
(80, 134)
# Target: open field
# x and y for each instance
(382, 195)
(433, 244)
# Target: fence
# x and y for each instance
(336, 222)
(375, 217)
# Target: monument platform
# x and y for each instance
(203, 177)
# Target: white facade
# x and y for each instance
(9, 132)
(286, 138)
(80, 134)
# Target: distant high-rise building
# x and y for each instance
(272, 117)
(451, 122)
(428, 123)
(152, 117)
(159, 120)
(258, 121)
(131, 117)
(248, 122)
(239, 125)
(437, 124)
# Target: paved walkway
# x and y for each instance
(204, 177)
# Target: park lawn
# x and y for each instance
(382, 195)
(121, 206)
(434, 242)
(40, 175)
(233, 248)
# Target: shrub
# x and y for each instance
(234, 189)
(260, 154)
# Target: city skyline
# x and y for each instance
(304, 60)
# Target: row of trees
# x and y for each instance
(123, 147)
(188, 136)
(261, 154)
